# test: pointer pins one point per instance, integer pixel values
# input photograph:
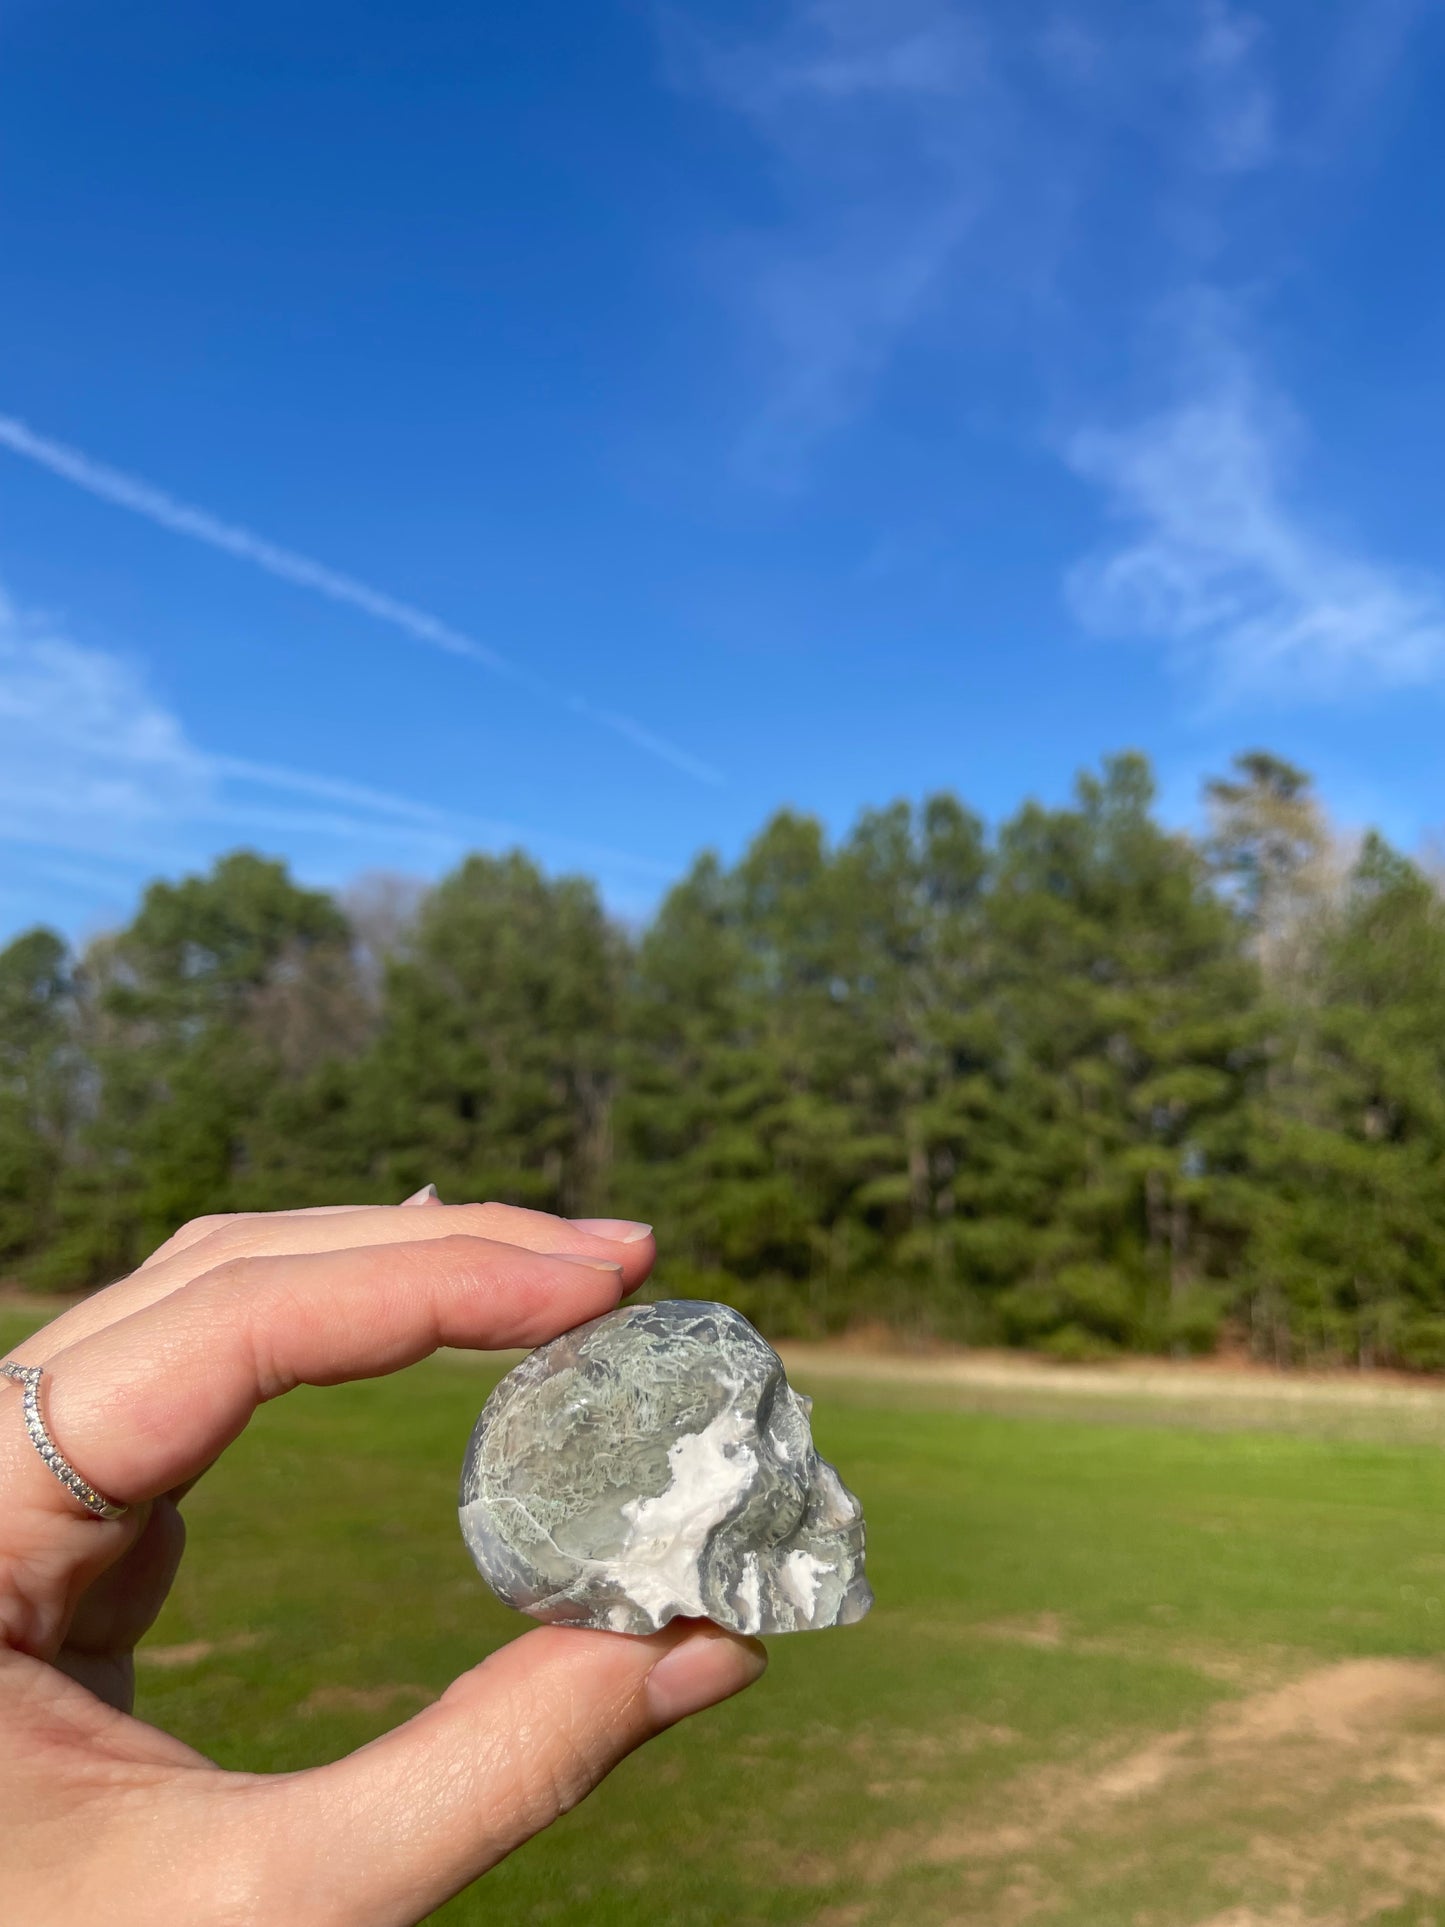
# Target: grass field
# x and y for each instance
(1158, 1665)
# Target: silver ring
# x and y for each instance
(77, 1487)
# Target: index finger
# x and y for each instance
(205, 1243)
(148, 1402)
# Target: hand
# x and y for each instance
(108, 1819)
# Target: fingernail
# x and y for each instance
(622, 1231)
(702, 1669)
(428, 1194)
(589, 1264)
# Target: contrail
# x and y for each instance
(182, 518)
(410, 817)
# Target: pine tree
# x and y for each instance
(1090, 1085)
(1112, 1037)
(491, 1073)
(192, 1018)
(1350, 1151)
(38, 1076)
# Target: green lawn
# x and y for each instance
(1118, 1672)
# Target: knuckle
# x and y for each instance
(202, 1240)
(236, 1278)
(199, 1231)
(252, 1303)
(561, 1766)
(553, 1780)
(195, 1228)
(453, 1259)
(545, 1754)
(225, 1232)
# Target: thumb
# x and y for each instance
(382, 1837)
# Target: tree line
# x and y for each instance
(1086, 1085)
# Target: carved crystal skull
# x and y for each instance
(656, 1462)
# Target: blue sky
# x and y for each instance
(439, 426)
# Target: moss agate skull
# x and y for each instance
(656, 1462)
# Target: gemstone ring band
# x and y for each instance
(78, 1488)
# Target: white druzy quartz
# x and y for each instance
(657, 1462)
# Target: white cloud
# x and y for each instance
(929, 167)
(1237, 109)
(879, 118)
(1224, 563)
(93, 765)
(1365, 62)
(88, 759)
(934, 162)
(1193, 79)
(847, 50)
(286, 565)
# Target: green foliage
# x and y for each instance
(490, 1073)
(1349, 1132)
(35, 1088)
(1090, 1085)
(188, 1028)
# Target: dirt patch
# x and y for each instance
(365, 1699)
(1333, 1779)
(1147, 1767)
(1286, 1917)
(1215, 1395)
(1048, 1631)
(876, 1352)
(1346, 1704)
(1051, 1632)
(193, 1651)
(807, 1870)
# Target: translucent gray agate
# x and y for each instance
(657, 1462)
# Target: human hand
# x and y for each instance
(108, 1819)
